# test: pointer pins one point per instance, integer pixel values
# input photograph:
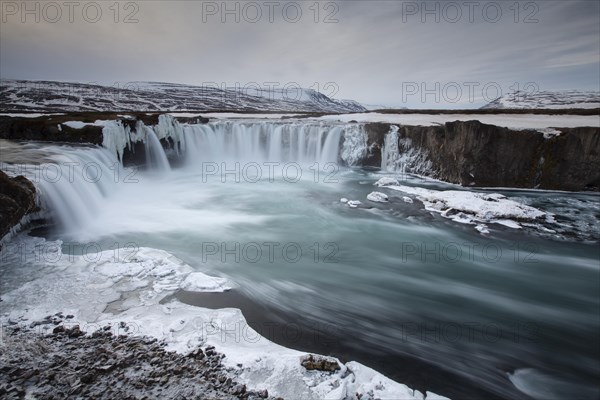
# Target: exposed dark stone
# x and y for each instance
(375, 136)
(17, 199)
(108, 367)
(319, 363)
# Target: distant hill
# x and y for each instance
(52, 96)
(548, 100)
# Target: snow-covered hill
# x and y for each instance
(548, 100)
(51, 96)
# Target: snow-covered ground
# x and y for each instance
(547, 99)
(111, 288)
(513, 121)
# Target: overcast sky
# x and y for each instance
(389, 53)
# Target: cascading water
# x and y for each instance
(267, 141)
(304, 143)
(155, 154)
(398, 155)
(74, 183)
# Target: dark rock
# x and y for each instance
(319, 363)
(17, 199)
(88, 378)
(74, 332)
(58, 329)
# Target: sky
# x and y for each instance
(430, 54)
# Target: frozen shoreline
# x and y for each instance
(134, 284)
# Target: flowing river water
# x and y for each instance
(428, 301)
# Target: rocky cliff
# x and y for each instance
(475, 154)
(17, 199)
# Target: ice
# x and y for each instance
(354, 148)
(343, 200)
(482, 228)
(199, 282)
(387, 181)
(480, 205)
(472, 207)
(115, 137)
(354, 203)
(407, 199)
(549, 133)
(378, 197)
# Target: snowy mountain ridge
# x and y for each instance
(547, 99)
(53, 96)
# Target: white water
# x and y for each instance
(303, 143)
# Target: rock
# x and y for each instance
(472, 153)
(17, 199)
(263, 394)
(88, 378)
(74, 332)
(319, 363)
(58, 329)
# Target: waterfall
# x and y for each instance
(156, 158)
(302, 142)
(73, 187)
(399, 155)
(390, 151)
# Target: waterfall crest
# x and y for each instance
(302, 142)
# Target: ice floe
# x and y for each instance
(470, 207)
(378, 197)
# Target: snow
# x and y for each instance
(28, 115)
(233, 115)
(79, 124)
(158, 96)
(482, 228)
(199, 282)
(549, 133)
(470, 207)
(547, 100)
(344, 200)
(407, 199)
(378, 197)
(387, 181)
(354, 203)
(110, 288)
(512, 121)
